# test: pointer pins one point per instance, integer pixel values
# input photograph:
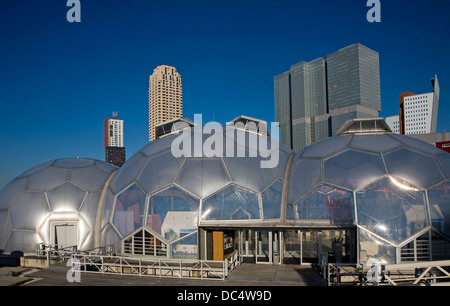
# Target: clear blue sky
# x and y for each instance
(60, 80)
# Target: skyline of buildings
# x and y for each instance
(417, 112)
(165, 97)
(114, 141)
(314, 99)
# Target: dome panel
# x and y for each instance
(73, 162)
(36, 169)
(248, 173)
(417, 144)
(12, 191)
(326, 146)
(353, 168)
(231, 203)
(89, 178)
(378, 143)
(127, 173)
(439, 199)
(325, 203)
(444, 159)
(392, 209)
(24, 241)
(305, 174)
(47, 178)
(66, 197)
(166, 201)
(159, 171)
(415, 167)
(129, 210)
(29, 211)
(5, 228)
(203, 176)
(271, 200)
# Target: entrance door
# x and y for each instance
(267, 246)
(65, 234)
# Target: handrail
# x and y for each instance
(55, 250)
(156, 267)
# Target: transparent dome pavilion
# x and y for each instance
(366, 193)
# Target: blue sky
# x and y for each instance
(60, 80)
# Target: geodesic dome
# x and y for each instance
(163, 198)
(394, 188)
(43, 203)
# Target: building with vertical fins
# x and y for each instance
(314, 99)
(165, 97)
(114, 148)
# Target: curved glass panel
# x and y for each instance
(66, 197)
(305, 174)
(129, 210)
(73, 162)
(248, 173)
(353, 168)
(231, 203)
(439, 199)
(203, 176)
(417, 143)
(418, 168)
(48, 178)
(89, 207)
(326, 147)
(12, 191)
(89, 178)
(29, 211)
(164, 203)
(378, 143)
(392, 209)
(186, 247)
(372, 247)
(127, 173)
(159, 172)
(5, 228)
(271, 200)
(24, 241)
(325, 203)
(444, 159)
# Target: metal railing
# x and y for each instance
(55, 251)
(432, 273)
(155, 267)
(101, 250)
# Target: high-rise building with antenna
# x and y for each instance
(114, 148)
(165, 97)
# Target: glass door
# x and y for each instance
(263, 246)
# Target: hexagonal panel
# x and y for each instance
(271, 200)
(353, 168)
(66, 197)
(170, 200)
(413, 166)
(127, 173)
(29, 211)
(159, 171)
(444, 159)
(203, 176)
(89, 178)
(47, 178)
(377, 143)
(129, 210)
(12, 192)
(439, 199)
(327, 146)
(5, 228)
(305, 174)
(247, 172)
(231, 203)
(326, 203)
(392, 209)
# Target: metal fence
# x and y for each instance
(155, 267)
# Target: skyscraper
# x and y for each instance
(165, 97)
(314, 99)
(114, 149)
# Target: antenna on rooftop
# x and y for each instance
(115, 114)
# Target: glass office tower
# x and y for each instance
(321, 95)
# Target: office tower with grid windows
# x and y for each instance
(165, 97)
(114, 148)
(314, 99)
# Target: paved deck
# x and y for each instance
(244, 275)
